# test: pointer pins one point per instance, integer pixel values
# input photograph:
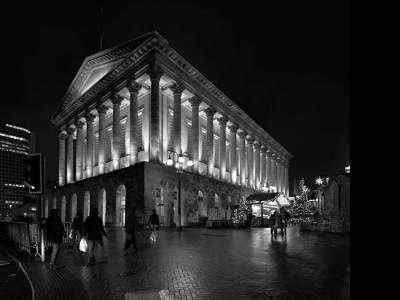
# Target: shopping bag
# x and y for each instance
(83, 246)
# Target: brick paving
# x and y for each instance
(201, 263)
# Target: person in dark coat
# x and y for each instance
(131, 225)
(55, 233)
(76, 227)
(94, 229)
(154, 223)
(249, 219)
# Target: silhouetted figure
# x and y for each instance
(94, 229)
(131, 226)
(154, 223)
(55, 233)
(76, 227)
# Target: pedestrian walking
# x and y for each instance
(76, 227)
(284, 220)
(249, 219)
(272, 221)
(154, 223)
(55, 233)
(131, 226)
(94, 229)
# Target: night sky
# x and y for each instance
(287, 65)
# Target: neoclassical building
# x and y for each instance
(126, 108)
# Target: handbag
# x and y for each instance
(83, 246)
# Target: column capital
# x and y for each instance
(79, 124)
(210, 111)
(117, 99)
(177, 88)
(222, 121)
(62, 136)
(242, 134)
(233, 128)
(71, 130)
(263, 149)
(257, 145)
(155, 72)
(102, 109)
(250, 140)
(90, 117)
(133, 86)
(195, 100)
(269, 153)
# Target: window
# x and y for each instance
(216, 151)
(123, 135)
(171, 130)
(140, 126)
(203, 145)
(189, 135)
(84, 152)
(109, 143)
(96, 149)
(228, 157)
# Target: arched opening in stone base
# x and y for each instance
(120, 206)
(74, 207)
(86, 205)
(63, 208)
(102, 205)
(46, 209)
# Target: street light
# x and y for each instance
(320, 181)
(179, 169)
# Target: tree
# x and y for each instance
(241, 212)
(302, 208)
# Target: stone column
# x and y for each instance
(70, 154)
(242, 150)
(287, 179)
(283, 176)
(61, 158)
(269, 165)
(273, 171)
(102, 110)
(278, 175)
(195, 102)
(263, 166)
(210, 112)
(134, 89)
(116, 153)
(79, 148)
(233, 128)
(257, 165)
(155, 74)
(222, 147)
(89, 153)
(250, 161)
(177, 89)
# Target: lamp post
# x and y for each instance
(179, 169)
(320, 181)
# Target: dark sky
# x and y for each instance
(286, 64)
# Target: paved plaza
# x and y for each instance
(197, 263)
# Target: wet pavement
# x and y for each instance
(197, 263)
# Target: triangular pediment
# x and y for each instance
(94, 75)
(98, 66)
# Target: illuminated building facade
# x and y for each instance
(125, 109)
(15, 145)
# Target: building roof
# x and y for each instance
(113, 67)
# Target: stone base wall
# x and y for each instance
(148, 185)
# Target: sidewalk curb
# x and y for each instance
(14, 259)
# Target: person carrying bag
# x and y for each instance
(154, 223)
